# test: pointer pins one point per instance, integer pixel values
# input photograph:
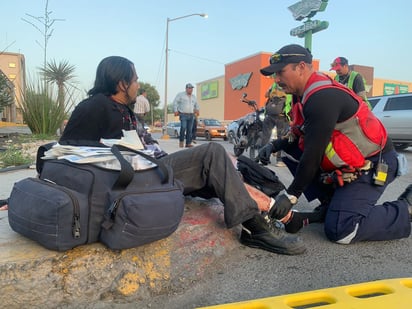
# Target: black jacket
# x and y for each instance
(95, 118)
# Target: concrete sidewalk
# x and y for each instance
(39, 278)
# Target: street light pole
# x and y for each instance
(165, 135)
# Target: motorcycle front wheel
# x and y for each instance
(253, 152)
(237, 150)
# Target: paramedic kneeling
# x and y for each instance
(335, 139)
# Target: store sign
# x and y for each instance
(394, 89)
(209, 90)
(240, 81)
(311, 25)
(307, 8)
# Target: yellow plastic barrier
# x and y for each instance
(382, 294)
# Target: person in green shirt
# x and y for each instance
(351, 79)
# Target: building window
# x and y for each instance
(12, 76)
(12, 65)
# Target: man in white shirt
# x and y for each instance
(142, 106)
(185, 106)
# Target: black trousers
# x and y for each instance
(207, 171)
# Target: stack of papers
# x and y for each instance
(100, 156)
(79, 154)
(130, 140)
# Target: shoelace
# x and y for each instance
(275, 226)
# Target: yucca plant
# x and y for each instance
(41, 112)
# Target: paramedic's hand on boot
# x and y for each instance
(283, 204)
(264, 154)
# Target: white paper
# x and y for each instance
(130, 139)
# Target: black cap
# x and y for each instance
(293, 53)
(189, 85)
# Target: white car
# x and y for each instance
(395, 112)
(148, 129)
(232, 130)
(234, 125)
(173, 129)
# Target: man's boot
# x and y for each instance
(181, 144)
(407, 197)
(258, 233)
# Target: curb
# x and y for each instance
(15, 168)
(92, 274)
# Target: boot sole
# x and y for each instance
(261, 245)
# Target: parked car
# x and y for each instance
(172, 129)
(395, 112)
(232, 130)
(210, 128)
(148, 129)
(234, 125)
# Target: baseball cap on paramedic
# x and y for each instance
(293, 53)
(338, 63)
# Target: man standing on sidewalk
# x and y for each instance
(142, 106)
(185, 106)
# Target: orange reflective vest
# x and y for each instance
(352, 140)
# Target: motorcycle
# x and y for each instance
(249, 132)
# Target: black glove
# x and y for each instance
(264, 154)
(283, 204)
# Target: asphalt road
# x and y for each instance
(250, 273)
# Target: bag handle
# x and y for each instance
(127, 171)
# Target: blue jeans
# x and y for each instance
(186, 125)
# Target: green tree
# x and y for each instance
(6, 92)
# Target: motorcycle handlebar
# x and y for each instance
(248, 102)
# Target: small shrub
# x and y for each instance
(14, 156)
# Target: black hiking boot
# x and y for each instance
(258, 233)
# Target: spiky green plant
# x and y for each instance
(41, 112)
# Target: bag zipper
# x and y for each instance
(115, 204)
(76, 207)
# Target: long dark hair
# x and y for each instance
(110, 71)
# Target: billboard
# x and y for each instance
(209, 90)
(394, 88)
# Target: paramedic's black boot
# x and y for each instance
(321, 211)
(257, 233)
(407, 196)
(298, 220)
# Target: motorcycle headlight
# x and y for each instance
(261, 117)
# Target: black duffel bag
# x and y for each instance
(142, 206)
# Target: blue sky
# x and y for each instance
(366, 32)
